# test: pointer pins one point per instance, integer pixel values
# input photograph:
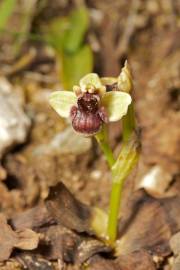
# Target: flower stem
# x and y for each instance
(113, 212)
(120, 168)
(125, 163)
(102, 139)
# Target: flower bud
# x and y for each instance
(125, 79)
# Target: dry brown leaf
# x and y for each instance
(90, 247)
(60, 243)
(9, 239)
(148, 224)
(99, 263)
(139, 260)
(67, 210)
(33, 262)
(33, 218)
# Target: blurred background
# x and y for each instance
(49, 45)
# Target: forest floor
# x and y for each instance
(147, 34)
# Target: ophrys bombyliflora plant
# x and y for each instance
(91, 106)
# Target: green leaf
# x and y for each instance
(56, 32)
(116, 103)
(6, 9)
(62, 101)
(75, 66)
(126, 160)
(67, 33)
(79, 22)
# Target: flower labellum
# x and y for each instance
(90, 106)
(88, 116)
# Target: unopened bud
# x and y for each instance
(125, 79)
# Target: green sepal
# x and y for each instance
(62, 102)
(116, 104)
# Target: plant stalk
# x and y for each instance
(121, 169)
(125, 163)
(102, 139)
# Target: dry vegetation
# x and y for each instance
(42, 150)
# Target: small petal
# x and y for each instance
(116, 104)
(62, 102)
(91, 79)
(108, 80)
(77, 90)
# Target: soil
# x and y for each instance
(147, 34)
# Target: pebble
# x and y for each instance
(14, 123)
(66, 142)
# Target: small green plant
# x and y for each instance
(67, 36)
(91, 107)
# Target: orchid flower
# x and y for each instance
(89, 106)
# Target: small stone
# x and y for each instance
(14, 124)
(96, 174)
(156, 181)
(66, 142)
(175, 243)
(176, 264)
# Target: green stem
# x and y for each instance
(113, 212)
(102, 139)
(121, 169)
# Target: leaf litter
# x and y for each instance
(148, 229)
